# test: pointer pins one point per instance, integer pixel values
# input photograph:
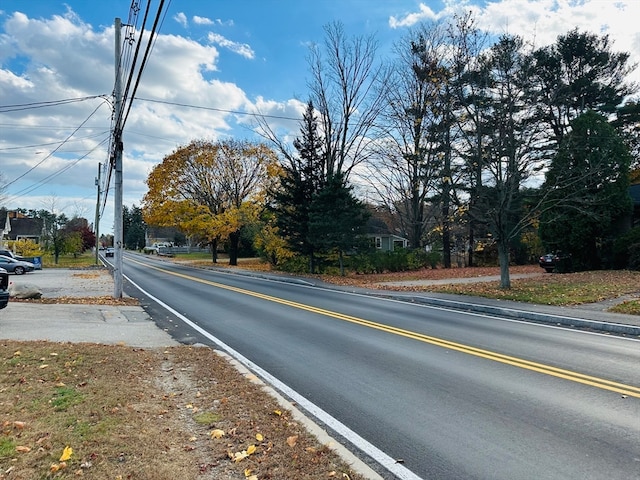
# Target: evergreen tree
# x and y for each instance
(302, 180)
(134, 228)
(578, 73)
(337, 220)
(588, 186)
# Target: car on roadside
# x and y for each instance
(110, 252)
(9, 253)
(18, 267)
(558, 262)
(4, 288)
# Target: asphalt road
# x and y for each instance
(447, 394)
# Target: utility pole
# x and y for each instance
(97, 220)
(118, 147)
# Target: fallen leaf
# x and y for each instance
(251, 449)
(217, 433)
(238, 456)
(23, 449)
(278, 412)
(247, 472)
(259, 437)
(19, 425)
(66, 454)
(292, 440)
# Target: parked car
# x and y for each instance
(4, 288)
(9, 253)
(558, 262)
(16, 266)
(110, 252)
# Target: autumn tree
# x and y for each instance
(208, 189)
(53, 232)
(87, 237)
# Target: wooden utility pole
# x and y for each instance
(118, 147)
(96, 228)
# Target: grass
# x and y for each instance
(631, 307)
(86, 259)
(146, 415)
(556, 289)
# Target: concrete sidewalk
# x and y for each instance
(106, 324)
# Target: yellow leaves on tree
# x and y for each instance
(204, 188)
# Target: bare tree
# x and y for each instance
(408, 165)
(347, 88)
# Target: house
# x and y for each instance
(387, 242)
(382, 239)
(16, 226)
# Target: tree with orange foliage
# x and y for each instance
(209, 190)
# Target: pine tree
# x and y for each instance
(302, 180)
(337, 220)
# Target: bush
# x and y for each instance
(634, 256)
(622, 249)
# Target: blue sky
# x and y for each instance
(227, 56)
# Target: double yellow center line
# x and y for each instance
(621, 388)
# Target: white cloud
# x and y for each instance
(240, 48)
(202, 20)
(61, 58)
(540, 22)
(181, 18)
(424, 14)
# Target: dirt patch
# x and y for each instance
(126, 413)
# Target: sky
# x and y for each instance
(212, 65)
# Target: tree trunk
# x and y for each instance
(312, 263)
(446, 237)
(234, 242)
(214, 250)
(470, 261)
(503, 257)
(341, 263)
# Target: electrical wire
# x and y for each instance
(235, 112)
(52, 103)
(55, 149)
(50, 177)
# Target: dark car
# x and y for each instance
(110, 252)
(4, 288)
(16, 266)
(558, 262)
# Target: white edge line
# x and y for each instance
(360, 443)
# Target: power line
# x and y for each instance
(235, 112)
(52, 103)
(55, 149)
(50, 177)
